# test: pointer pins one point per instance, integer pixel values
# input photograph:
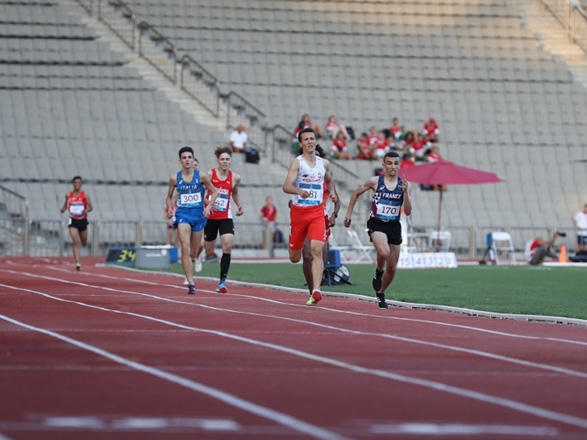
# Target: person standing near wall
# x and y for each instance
(78, 205)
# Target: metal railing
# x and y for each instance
(190, 76)
(21, 236)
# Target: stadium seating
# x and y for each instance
(73, 106)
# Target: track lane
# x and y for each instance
(264, 326)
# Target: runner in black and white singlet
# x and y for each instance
(390, 194)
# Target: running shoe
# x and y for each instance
(222, 287)
(78, 267)
(377, 280)
(198, 265)
(382, 302)
(186, 283)
(314, 298)
(191, 289)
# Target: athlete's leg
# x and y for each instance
(307, 265)
(185, 236)
(317, 248)
(391, 266)
(226, 241)
(75, 239)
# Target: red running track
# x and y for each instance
(119, 354)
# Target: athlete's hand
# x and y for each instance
(304, 194)
(347, 222)
(405, 185)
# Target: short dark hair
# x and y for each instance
(75, 178)
(306, 130)
(391, 154)
(186, 150)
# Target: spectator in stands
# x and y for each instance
(78, 205)
(333, 127)
(396, 129)
(432, 154)
(390, 195)
(372, 136)
(239, 139)
(364, 149)
(412, 143)
(430, 131)
(191, 213)
(540, 249)
(339, 147)
(268, 217)
(305, 122)
(381, 145)
(407, 160)
(580, 222)
(220, 221)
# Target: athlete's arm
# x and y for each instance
(236, 179)
(89, 206)
(370, 183)
(407, 202)
(205, 179)
(169, 198)
(289, 186)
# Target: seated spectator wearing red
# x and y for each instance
(412, 143)
(396, 128)
(432, 154)
(372, 136)
(305, 122)
(407, 161)
(430, 131)
(381, 145)
(363, 147)
(333, 127)
(339, 147)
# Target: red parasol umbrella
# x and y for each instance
(446, 173)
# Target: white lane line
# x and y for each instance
(347, 312)
(438, 386)
(261, 411)
(435, 429)
(470, 351)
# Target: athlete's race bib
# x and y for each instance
(76, 208)
(192, 200)
(387, 211)
(315, 197)
(221, 202)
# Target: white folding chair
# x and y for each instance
(333, 245)
(502, 246)
(439, 240)
(361, 251)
